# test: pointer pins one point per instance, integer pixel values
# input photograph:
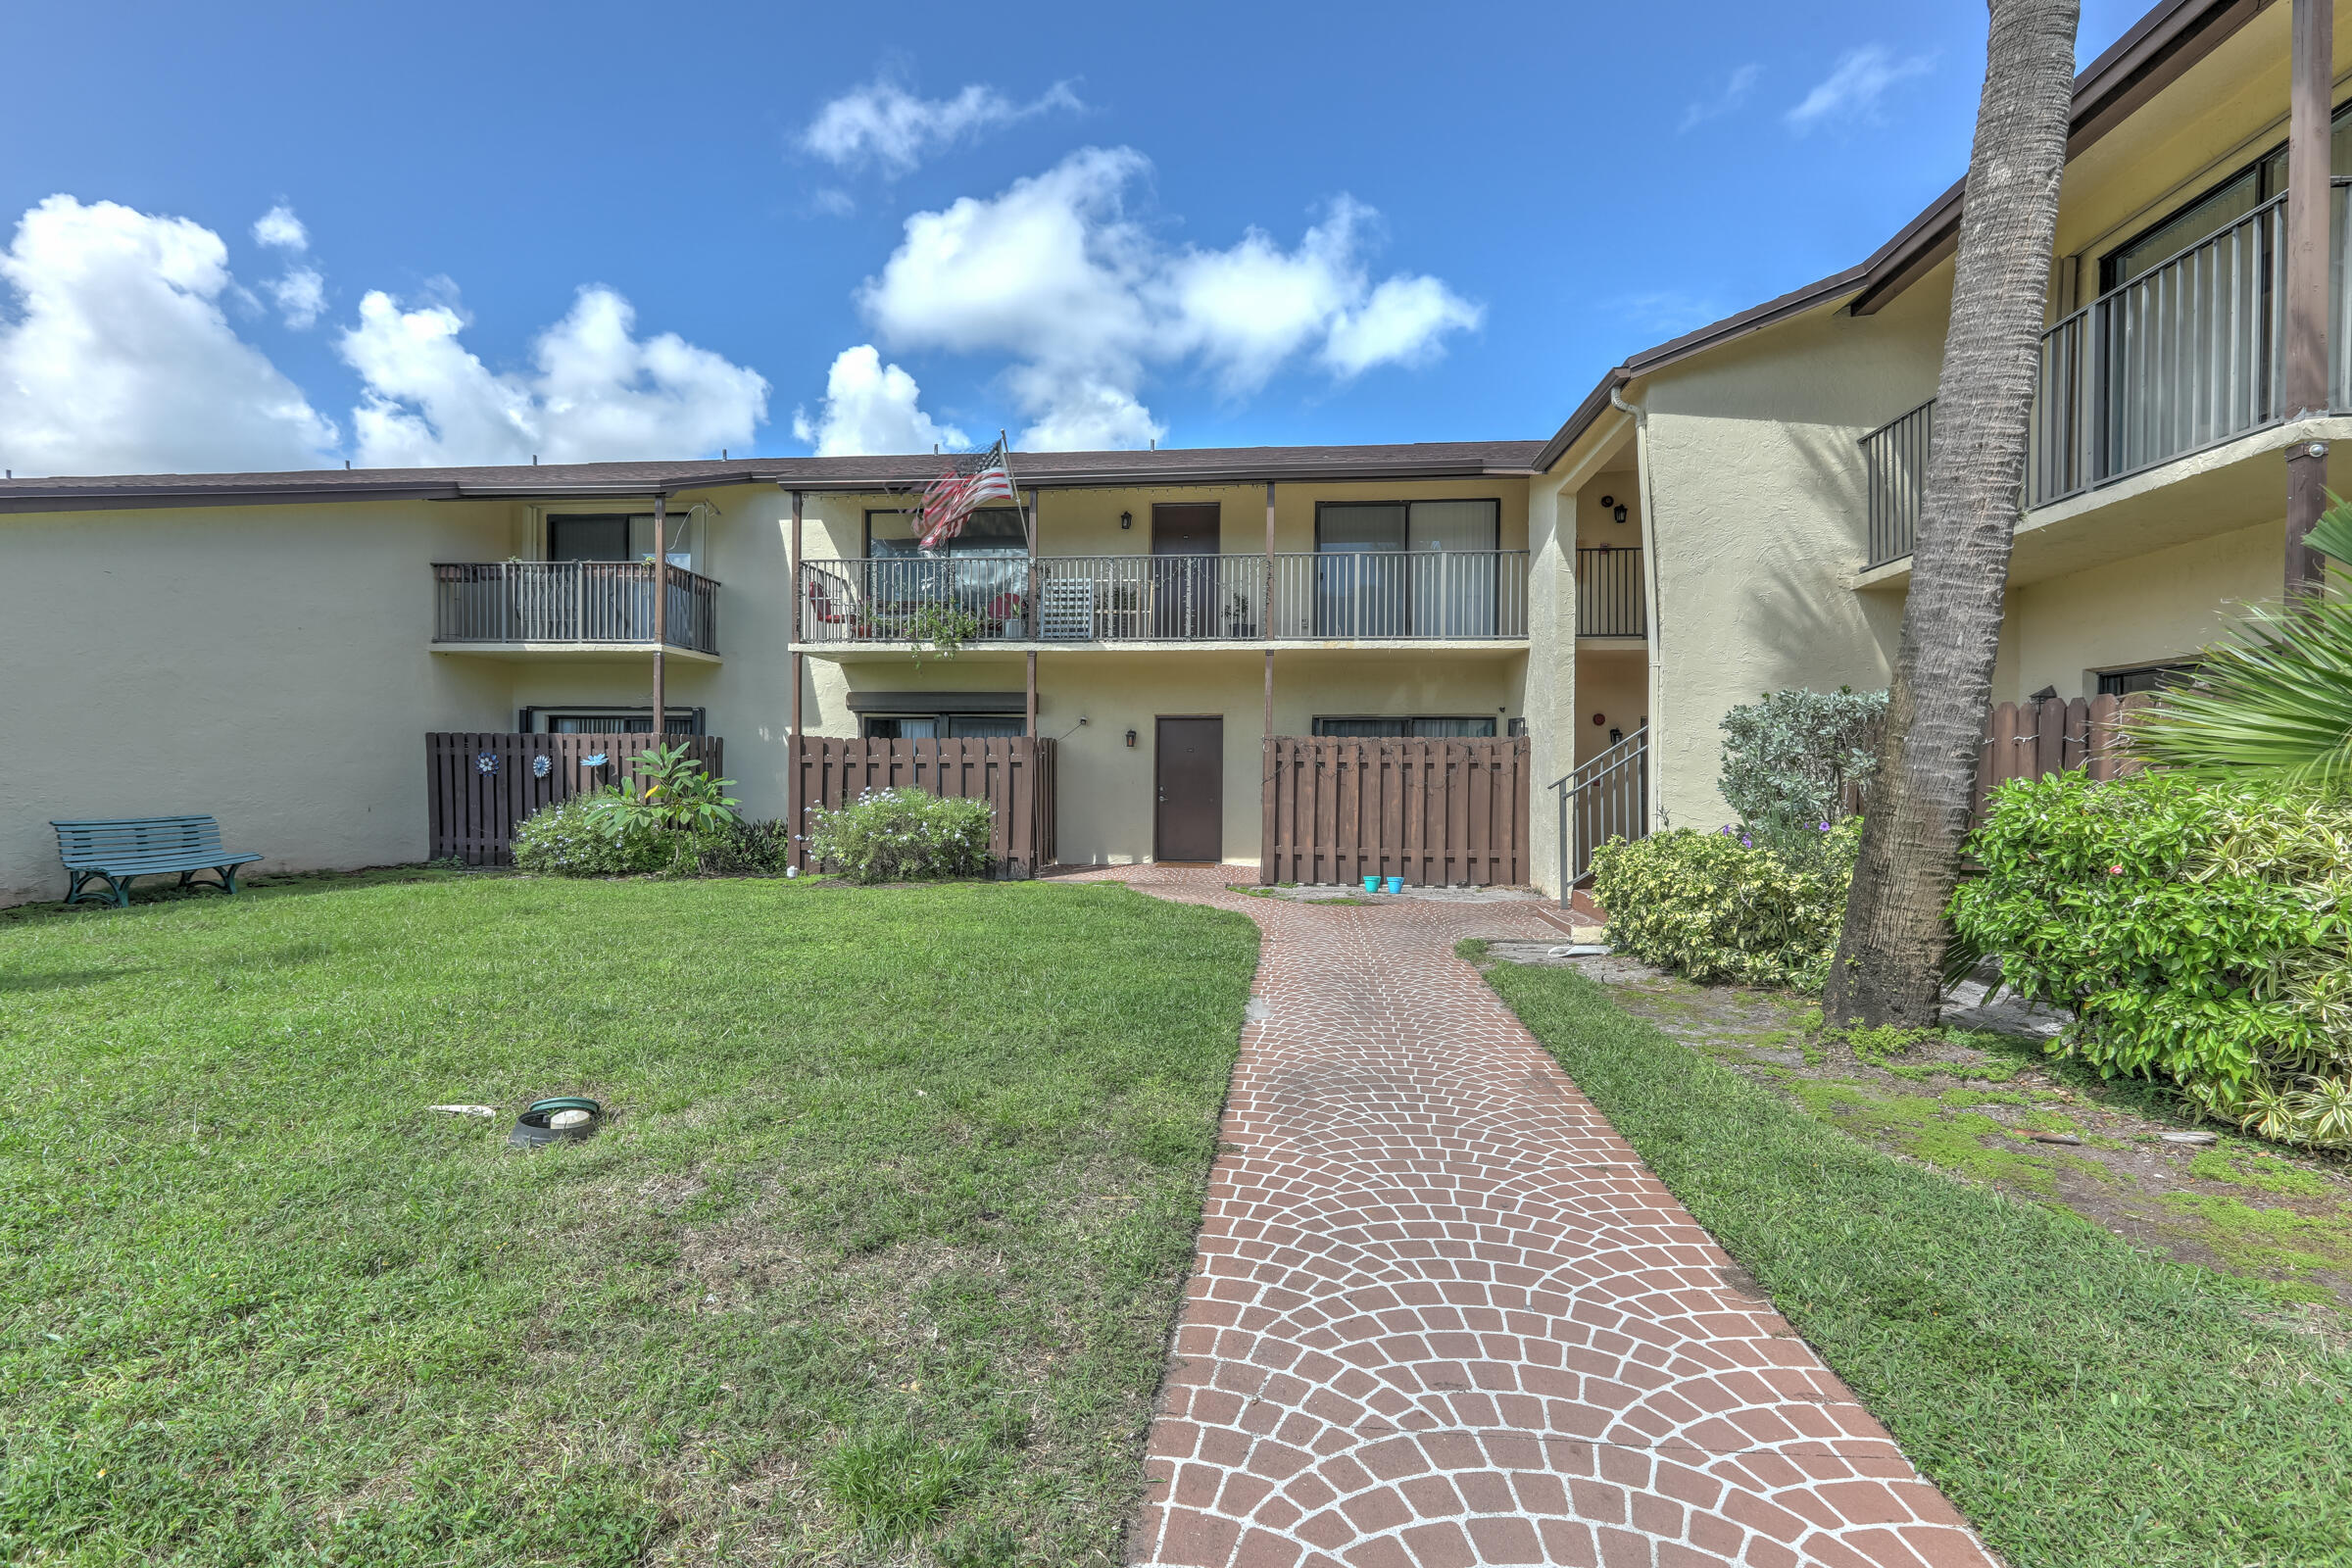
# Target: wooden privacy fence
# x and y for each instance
(482, 787)
(2035, 739)
(1014, 774)
(1427, 810)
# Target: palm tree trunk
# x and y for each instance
(1889, 955)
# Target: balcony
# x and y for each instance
(2187, 356)
(1422, 595)
(570, 607)
(1609, 598)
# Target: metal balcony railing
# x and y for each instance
(1609, 598)
(2188, 354)
(570, 602)
(1473, 594)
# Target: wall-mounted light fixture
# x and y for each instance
(1131, 737)
(1620, 514)
(1126, 520)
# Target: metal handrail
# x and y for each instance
(1601, 799)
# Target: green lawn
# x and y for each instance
(878, 1259)
(2083, 1403)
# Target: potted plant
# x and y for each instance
(1241, 617)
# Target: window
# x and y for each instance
(940, 726)
(1407, 568)
(988, 532)
(609, 720)
(1423, 729)
(2224, 204)
(617, 536)
(2146, 678)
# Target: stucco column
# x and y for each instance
(1550, 668)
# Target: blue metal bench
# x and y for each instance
(114, 852)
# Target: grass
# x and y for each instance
(876, 1259)
(2083, 1403)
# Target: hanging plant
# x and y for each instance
(945, 628)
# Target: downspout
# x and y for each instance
(1652, 567)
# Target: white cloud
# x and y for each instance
(871, 407)
(1734, 95)
(598, 392)
(118, 359)
(1053, 272)
(300, 294)
(1853, 89)
(883, 123)
(280, 230)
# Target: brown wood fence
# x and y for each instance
(1427, 810)
(1014, 773)
(2035, 739)
(480, 787)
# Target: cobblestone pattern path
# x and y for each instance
(1442, 1316)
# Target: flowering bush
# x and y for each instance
(2200, 933)
(585, 836)
(574, 838)
(1730, 906)
(903, 835)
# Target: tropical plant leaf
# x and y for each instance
(2331, 535)
(2274, 700)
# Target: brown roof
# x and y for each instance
(1175, 465)
(2157, 48)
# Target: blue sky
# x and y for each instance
(1460, 224)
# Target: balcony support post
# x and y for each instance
(2308, 200)
(660, 616)
(792, 769)
(1034, 525)
(1268, 628)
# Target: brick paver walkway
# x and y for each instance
(1442, 1316)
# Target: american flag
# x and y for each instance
(956, 494)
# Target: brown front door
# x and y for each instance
(1191, 766)
(1184, 589)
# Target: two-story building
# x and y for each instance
(1725, 514)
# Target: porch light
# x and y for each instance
(1127, 520)
(1131, 738)
(1620, 514)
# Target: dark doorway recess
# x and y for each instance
(1190, 762)
(1183, 569)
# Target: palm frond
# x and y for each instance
(2331, 535)
(2274, 700)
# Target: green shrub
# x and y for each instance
(572, 838)
(902, 835)
(585, 836)
(1724, 907)
(1788, 758)
(2202, 934)
(738, 848)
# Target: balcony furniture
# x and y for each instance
(1065, 611)
(116, 850)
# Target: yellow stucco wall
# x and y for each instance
(2149, 609)
(266, 665)
(1756, 481)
